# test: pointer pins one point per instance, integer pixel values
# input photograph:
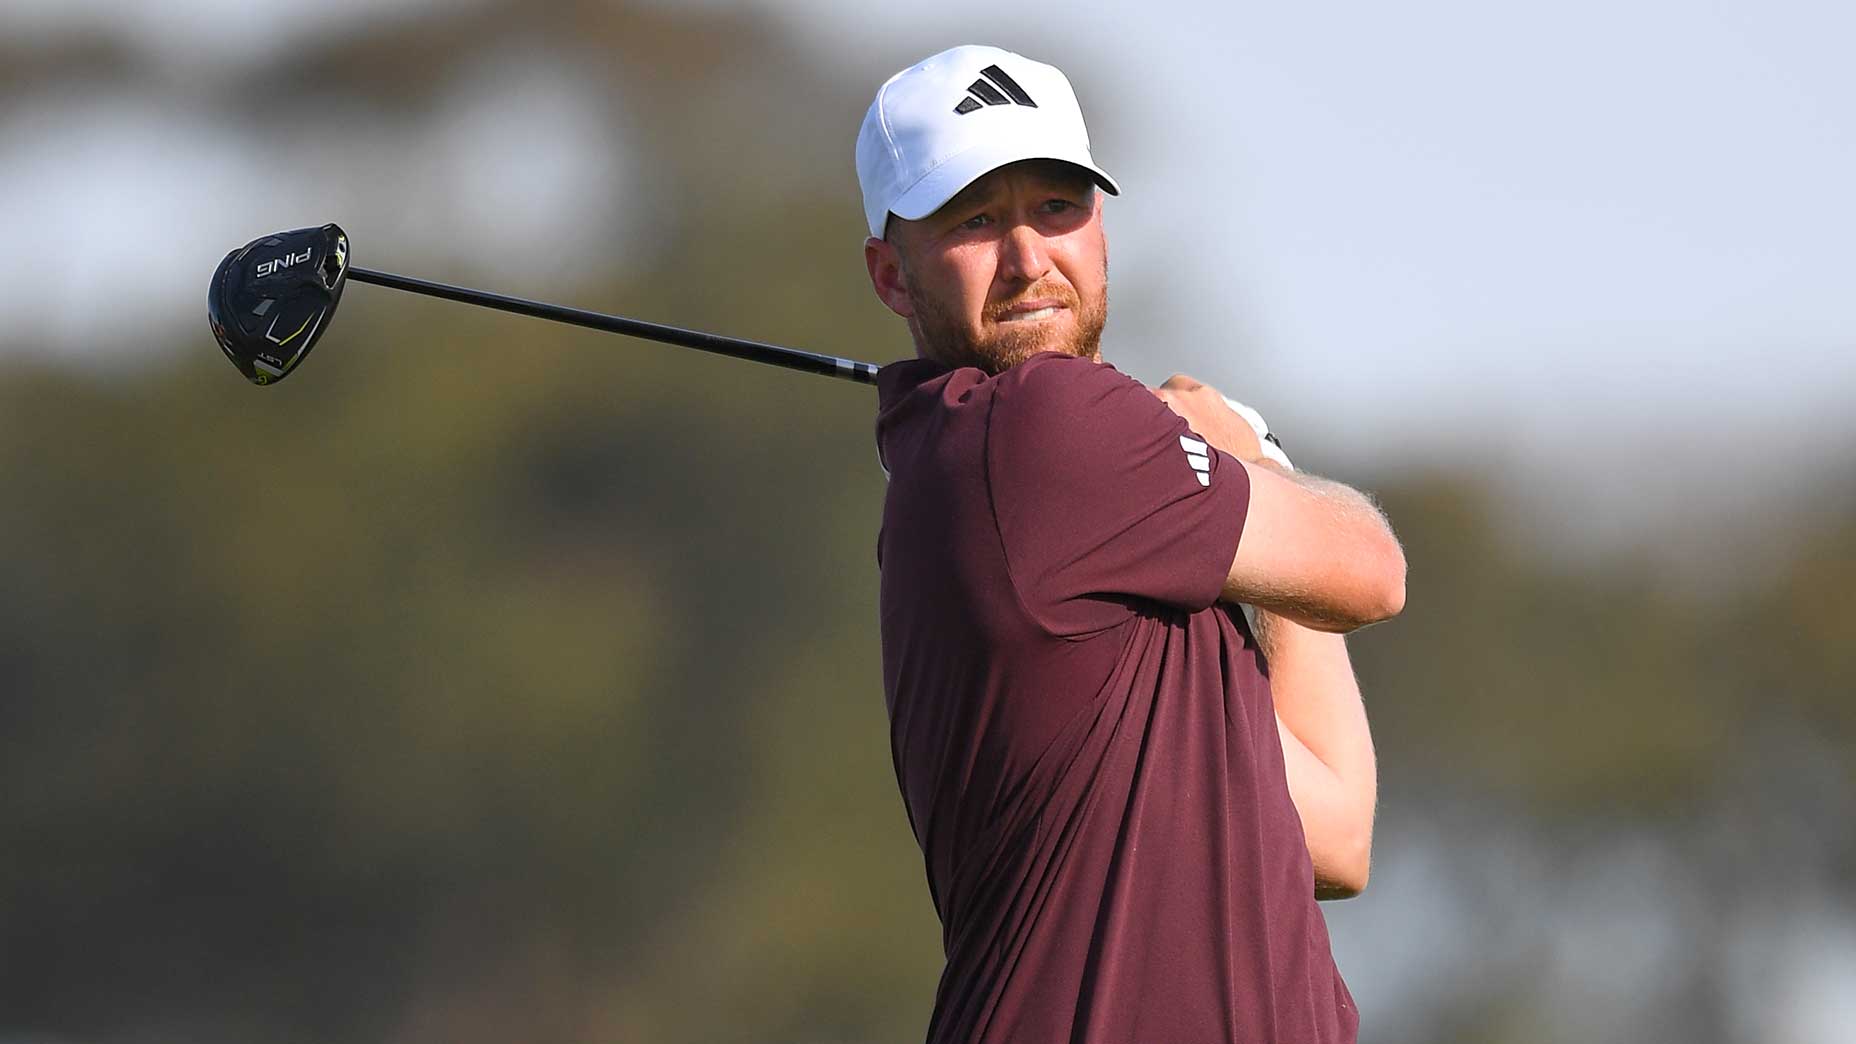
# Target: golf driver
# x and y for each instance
(272, 298)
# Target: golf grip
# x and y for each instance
(735, 347)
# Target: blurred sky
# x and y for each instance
(1552, 234)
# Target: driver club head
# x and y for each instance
(270, 299)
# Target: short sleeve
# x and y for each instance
(1105, 498)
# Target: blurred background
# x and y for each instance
(493, 680)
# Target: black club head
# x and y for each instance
(272, 298)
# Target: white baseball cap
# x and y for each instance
(939, 125)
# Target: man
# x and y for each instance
(1125, 836)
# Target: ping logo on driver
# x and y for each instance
(281, 263)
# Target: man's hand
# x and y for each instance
(1206, 410)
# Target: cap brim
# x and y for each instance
(946, 181)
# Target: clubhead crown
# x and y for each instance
(273, 297)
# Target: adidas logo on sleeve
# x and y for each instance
(1200, 457)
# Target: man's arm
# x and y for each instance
(1320, 720)
(1327, 749)
(1313, 551)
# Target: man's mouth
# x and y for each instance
(1030, 311)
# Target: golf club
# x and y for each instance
(271, 299)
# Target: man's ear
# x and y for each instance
(886, 277)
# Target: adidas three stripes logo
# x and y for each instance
(993, 87)
(1199, 457)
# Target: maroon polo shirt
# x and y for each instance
(1083, 736)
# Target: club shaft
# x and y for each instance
(734, 347)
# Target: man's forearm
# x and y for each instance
(1327, 749)
(1316, 552)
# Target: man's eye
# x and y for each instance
(975, 223)
(1057, 206)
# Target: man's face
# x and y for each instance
(1016, 264)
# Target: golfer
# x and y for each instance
(1128, 796)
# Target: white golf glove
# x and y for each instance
(1271, 448)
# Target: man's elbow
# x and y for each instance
(1358, 869)
(1390, 589)
(1379, 586)
(1345, 876)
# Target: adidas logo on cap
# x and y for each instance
(918, 148)
(994, 87)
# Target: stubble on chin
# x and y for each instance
(1001, 346)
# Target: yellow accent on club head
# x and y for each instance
(299, 330)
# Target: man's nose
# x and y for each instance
(1023, 254)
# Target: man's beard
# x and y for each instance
(944, 338)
